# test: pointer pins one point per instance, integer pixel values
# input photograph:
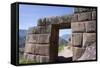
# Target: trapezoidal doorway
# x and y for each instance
(55, 48)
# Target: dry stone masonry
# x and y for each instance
(84, 34)
(41, 41)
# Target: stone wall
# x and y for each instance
(84, 34)
(37, 44)
(41, 41)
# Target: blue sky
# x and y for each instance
(29, 14)
(64, 31)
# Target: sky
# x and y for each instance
(29, 14)
(64, 31)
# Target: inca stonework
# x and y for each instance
(42, 40)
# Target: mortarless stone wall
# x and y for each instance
(41, 41)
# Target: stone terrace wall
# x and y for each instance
(83, 25)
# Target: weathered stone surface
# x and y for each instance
(84, 16)
(77, 52)
(30, 48)
(44, 29)
(74, 18)
(77, 39)
(39, 29)
(43, 38)
(78, 27)
(29, 57)
(88, 39)
(93, 15)
(79, 10)
(37, 58)
(90, 26)
(44, 59)
(42, 49)
(90, 53)
(32, 38)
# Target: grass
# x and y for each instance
(61, 47)
(25, 61)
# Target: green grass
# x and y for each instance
(61, 47)
(25, 61)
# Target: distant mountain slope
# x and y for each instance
(62, 41)
(22, 36)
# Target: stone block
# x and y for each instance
(43, 38)
(32, 38)
(74, 18)
(42, 49)
(88, 39)
(90, 53)
(77, 52)
(79, 10)
(93, 15)
(76, 10)
(44, 59)
(29, 57)
(37, 58)
(30, 48)
(84, 16)
(44, 29)
(78, 27)
(90, 26)
(77, 39)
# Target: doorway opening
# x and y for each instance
(65, 48)
(56, 31)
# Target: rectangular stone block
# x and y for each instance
(30, 48)
(88, 39)
(79, 10)
(77, 39)
(42, 49)
(37, 59)
(84, 16)
(77, 53)
(78, 27)
(44, 29)
(32, 38)
(44, 59)
(93, 15)
(74, 18)
(29, 57)
(90, 26)
(43, 38)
